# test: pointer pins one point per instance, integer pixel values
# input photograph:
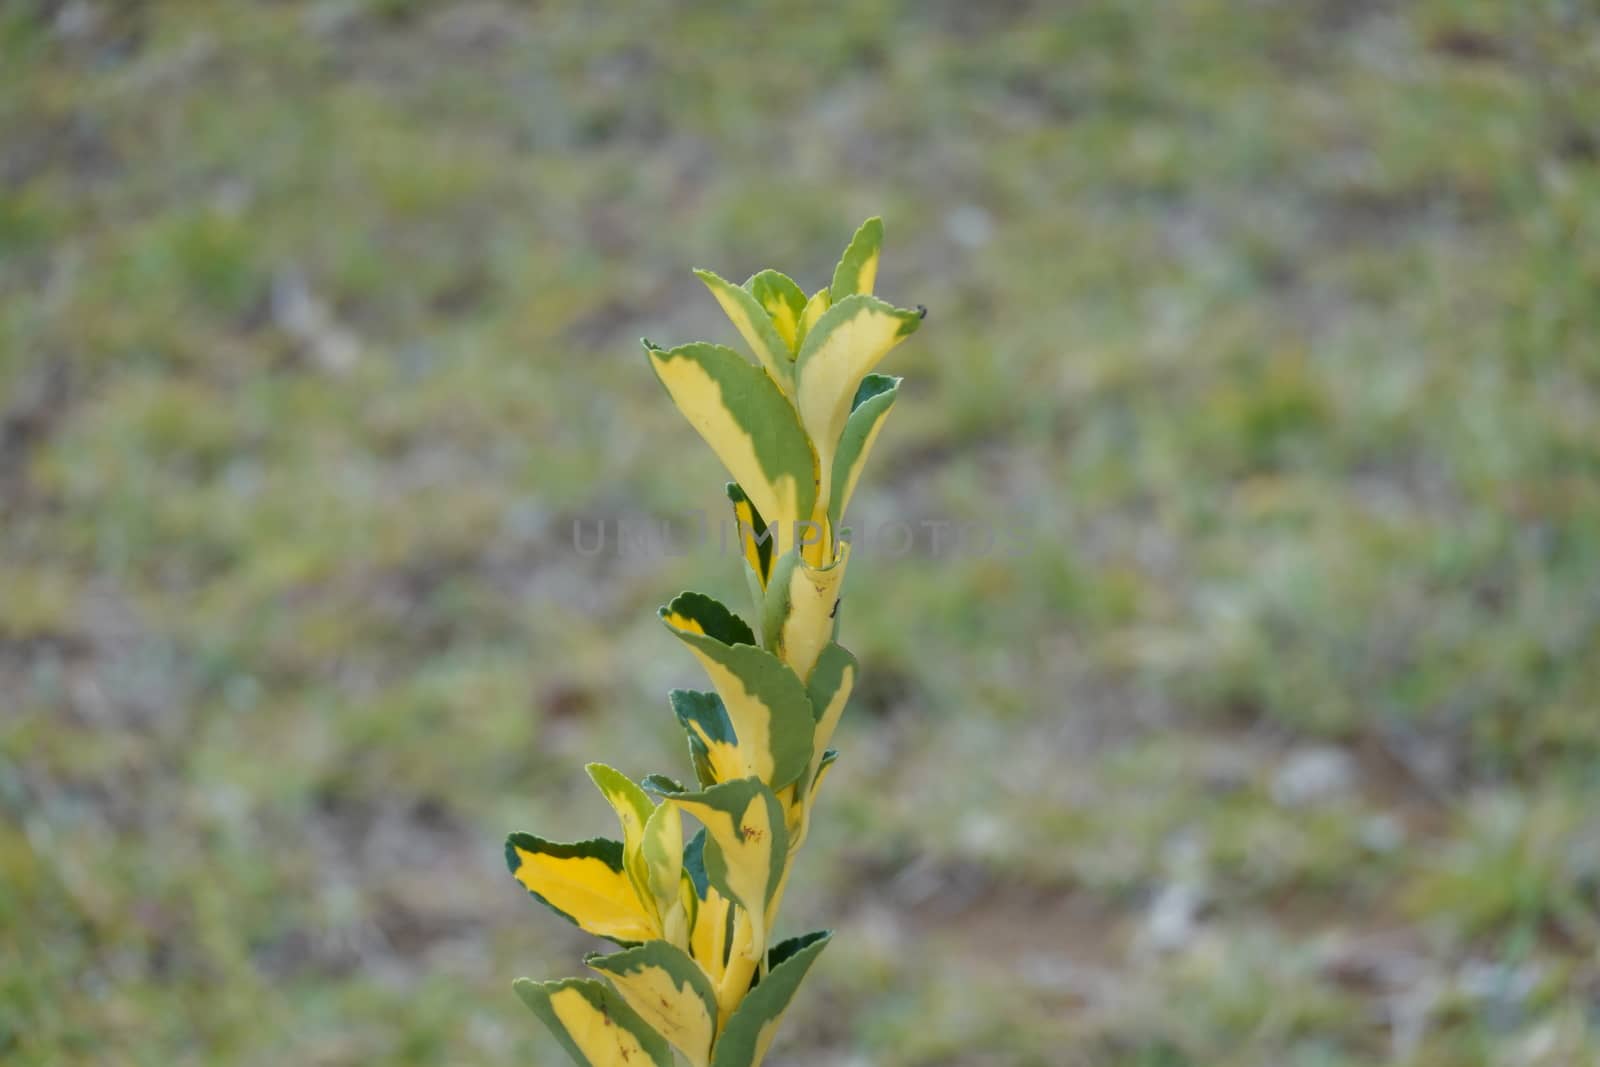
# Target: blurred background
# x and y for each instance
(1275, 325)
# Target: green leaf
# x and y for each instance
(748, 422)
(748, 1034)
(661, 783)
(670, 993)
(694, 862)
(583, 882)
(594, 1023)
(858, 267)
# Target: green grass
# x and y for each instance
(1273, 328)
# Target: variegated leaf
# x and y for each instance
(662, 851)
(701, 614)
(765, 701)
(829, 691)
(594, 1023)
(748, 422)
(818, 303)
(800, 608)
(755, 536)
(846, 343)
(585, 883)
(748, 1035)
(669, 991)
(783, 302)
(711, 928)
(755, 325)
(713, 745)
(873, 399)
(633, 807)
(747, 844)
(858, 267)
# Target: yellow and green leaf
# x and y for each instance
(858, 267)
(847, 342)
(748, 1034)
(594, 1023)
(764, 700)
(755, 325)
(711, 928)
(800, 608)
(634, 808)
(829, 691)
(748, 422)
(585, 883)
(782, 300)
(873, 399)
(661, 849)
(713, 746)
(698, 613)
(669, 992)
(746, 847)
(818, 303)
(755, 536)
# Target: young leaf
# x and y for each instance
(846, 343)
(764, 700)
(633, 807)
(755, 325)
(662, 848)
(669, 991)
(594, 1023)
(749, 1032)
(858, 267)
(873, 399)
(661, 783)
(783, 302)
(829, 758)
(818, 303)
(583, 882)
(748, 422)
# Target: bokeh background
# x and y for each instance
(1276, 324)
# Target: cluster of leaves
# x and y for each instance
(696, 971)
